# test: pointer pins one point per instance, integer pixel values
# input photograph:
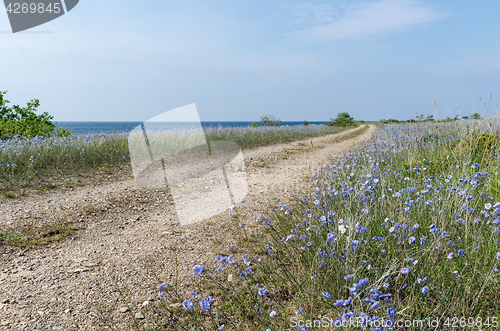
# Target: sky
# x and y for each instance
(238, 60)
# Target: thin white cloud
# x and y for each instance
(366, 19)
(312, 13)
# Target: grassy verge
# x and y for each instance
(30, 236)
(401, 232)
(40, 164)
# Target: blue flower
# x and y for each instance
(405, 270)
(220, 327)
(330, 237)
(262, 291)
(161, 287)
(432, 228)
(411, 240)
(338, 302)
(188, 305)
(375, 305)
(390, 311)
(272, 314)
(205, 304)
(487, 206)
(425, 289)
(460, 252)
(450, 256)
(362, 282)
(326, 294)
(197, 269)
(348, 301)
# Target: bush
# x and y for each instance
(476, 116)
(305, 123)
(343, 119)
(270, 120)
(24, 122)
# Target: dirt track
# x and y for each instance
(124, 230)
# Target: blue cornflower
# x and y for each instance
(425, 289)
(390, 311)
(405, 270)
(487, 206)
(411, 240)
(326, 294)
(460, 252)
(188, 305)
(262, 291)
(197, 269)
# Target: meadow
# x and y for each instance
(401, 232)
(37, 162)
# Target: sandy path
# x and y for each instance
(126, 232)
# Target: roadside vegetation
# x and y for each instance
(34, 154)
(402, 228)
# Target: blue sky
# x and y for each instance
(238, 60)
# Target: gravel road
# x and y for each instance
(124, 239)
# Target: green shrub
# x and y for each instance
(270, 120)
(24, 122)
(343, 119)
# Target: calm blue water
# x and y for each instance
(79, 128)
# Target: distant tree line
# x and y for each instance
(430, 118)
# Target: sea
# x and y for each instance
(81, 128)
